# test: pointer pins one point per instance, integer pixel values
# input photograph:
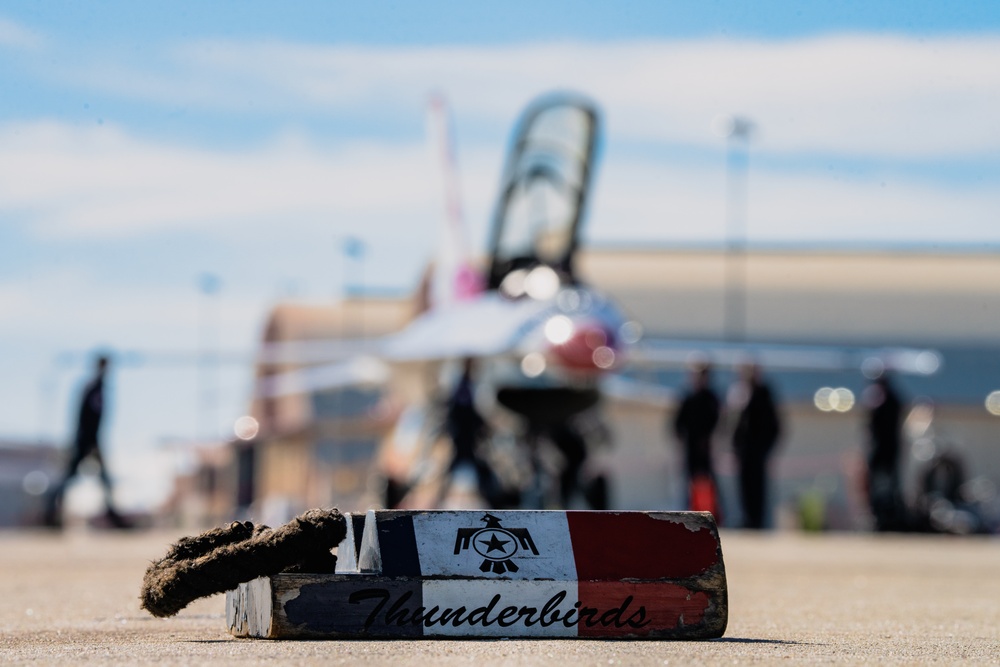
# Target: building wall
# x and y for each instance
(803, 296)
(27, 472)
(906, 298)
(809, 295)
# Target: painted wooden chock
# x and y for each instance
(655, 575)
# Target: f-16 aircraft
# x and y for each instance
(546, 346)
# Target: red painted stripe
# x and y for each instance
(611, 546)
(620, 609)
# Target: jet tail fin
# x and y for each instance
(455, 277)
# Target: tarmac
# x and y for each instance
(72, 598)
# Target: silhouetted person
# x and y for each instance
(575, 439)
(465, 427)
(884, 429)
(695, 422)
(572, 445)
(86, 444)
(754, 436)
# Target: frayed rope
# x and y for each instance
(222, 558)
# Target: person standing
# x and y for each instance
(885, 417)
(694, 425)
(465, 427)
(755, 434)
(86, 444)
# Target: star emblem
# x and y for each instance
(494, 544)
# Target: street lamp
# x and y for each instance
(737, 131)
(354, 249)
(208, 334)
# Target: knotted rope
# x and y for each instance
(222, 558)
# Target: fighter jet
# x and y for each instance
(547, 345)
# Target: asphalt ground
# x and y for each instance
(72, 598)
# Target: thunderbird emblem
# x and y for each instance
(496, 544)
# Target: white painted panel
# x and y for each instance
(511, 545)
(500, 608)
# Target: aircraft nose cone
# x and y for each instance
(590, 347)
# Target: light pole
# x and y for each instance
(208, 389)
(354, 259)
(737, 130)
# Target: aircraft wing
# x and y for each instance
(675, 353)
(488, 326)
(359, 371)
(307, 352)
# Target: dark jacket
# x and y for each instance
(884, 422)
(694, 424)
(758, 427)
(91, 410)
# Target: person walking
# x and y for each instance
(86, 444)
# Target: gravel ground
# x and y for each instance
(827, 599)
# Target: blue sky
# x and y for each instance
(437, 21)
(143, 145)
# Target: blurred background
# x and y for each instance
(181, 182)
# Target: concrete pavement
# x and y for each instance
(832, 599)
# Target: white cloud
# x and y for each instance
(102, 181)
(642, 200)
(813, 209)
(80, 310)
(892, 98)
(865, 95)
(105, 183)
(16, 36)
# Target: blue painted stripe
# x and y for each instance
(398, 544)
(350, 605)
(358, 523)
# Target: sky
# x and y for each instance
(169, 171)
